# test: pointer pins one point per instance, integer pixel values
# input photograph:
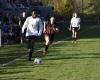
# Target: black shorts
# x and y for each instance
(75, 28)
(30, 41)
(31, 37)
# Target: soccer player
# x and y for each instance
(34, 28)
(74, 26)
(49, 32)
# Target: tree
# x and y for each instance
(93, 7)
(61, 7)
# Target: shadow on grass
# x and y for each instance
(17, 78)
(14, 71)
(41, 79)
(73, 56)
(91, 33)
(14, 78)
(4, 58)
(11, 55)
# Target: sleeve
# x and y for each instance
(79, 22)
(71, 23)
(25, 25)
(40, 24)
(44, 26)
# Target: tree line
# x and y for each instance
(66, 7)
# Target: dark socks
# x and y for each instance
(46, 47)
(74, 39)
(30, 54)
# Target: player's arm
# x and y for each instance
(70, 24)
(44, 27)
(40, 24)
(79, 24)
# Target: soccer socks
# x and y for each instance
(74, 40)
(46, 47)
(30, 54)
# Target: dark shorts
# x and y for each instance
(31, 37)
(75, 28)
(30, 41)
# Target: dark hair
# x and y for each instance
(47, 18)
(74, 14)
(35, 10)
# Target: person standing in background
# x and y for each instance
(22, 19)
(74, 26)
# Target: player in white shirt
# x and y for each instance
(74, 26)
(34, 28)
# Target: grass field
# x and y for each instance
(65, 61)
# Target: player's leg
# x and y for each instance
(30, 45)
(51, 38)
(73, 34)
(47, 42)
(76, 32)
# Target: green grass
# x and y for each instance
(65, 61)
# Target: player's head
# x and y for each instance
(74, 14)
(34, 13)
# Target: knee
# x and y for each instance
(47, 43)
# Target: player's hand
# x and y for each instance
(69, 29)
(78, 29)
(44, 31)
(22, 38)
(56, 29)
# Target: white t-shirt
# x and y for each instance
(75, 22)
(32, 25)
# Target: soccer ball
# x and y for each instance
(37, 60)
